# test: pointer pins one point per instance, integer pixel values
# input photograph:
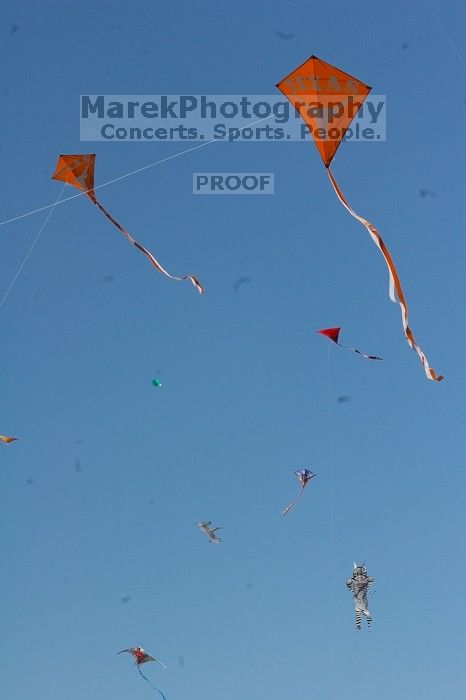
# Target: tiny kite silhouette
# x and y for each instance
(284, 35)
(141, 657)
(426, 193)
(333, 334)
(304, 476)
(78, 171)
(328, 100)
(241, 280)
(211, 532)
(7, 439)
(156, 382)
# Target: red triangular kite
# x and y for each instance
(334, 333)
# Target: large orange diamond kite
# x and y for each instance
(328, 99)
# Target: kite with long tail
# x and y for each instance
(328, 99)
(78, 171)
(333, 334)
(140, 657)
(304, 477)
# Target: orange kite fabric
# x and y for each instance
(328, 99)
(78, 171)
(7, 439)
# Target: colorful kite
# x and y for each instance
(359, 584)
(333, 333)
(156, 382)
(78, 171)
(7, 439)
(328, 99)
(211, 532)
(140, 657)
(304, 477)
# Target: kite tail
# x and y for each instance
(291, 505)
(152, 686)
(394, 283)
(363, 354)
(143, 250)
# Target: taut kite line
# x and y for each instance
(315, 88)
(78, 171)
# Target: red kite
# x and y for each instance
(140, 657)
(78, 171)
(333, 334)
(7, 439)
(304, 477)
(328, 99)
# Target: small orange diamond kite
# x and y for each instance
(78, 171)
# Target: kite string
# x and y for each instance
(104, 184)
(259, 607)
(442, 29)
(151, 685)
(332, 517)
(33, 245)
(124, 176)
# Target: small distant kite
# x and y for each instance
(426, 193)
(78, 171)
(140, 657)
(333, 334)
(241, 280)
(359, 584)
(156, 382)
(7, 439)
(211, 532)
(304, 477)
(284, 35)
(328, 99)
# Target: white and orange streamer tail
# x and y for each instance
(395, 290)
(155, 263)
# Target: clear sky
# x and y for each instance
(100, 495)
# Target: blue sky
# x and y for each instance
(101, 492)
